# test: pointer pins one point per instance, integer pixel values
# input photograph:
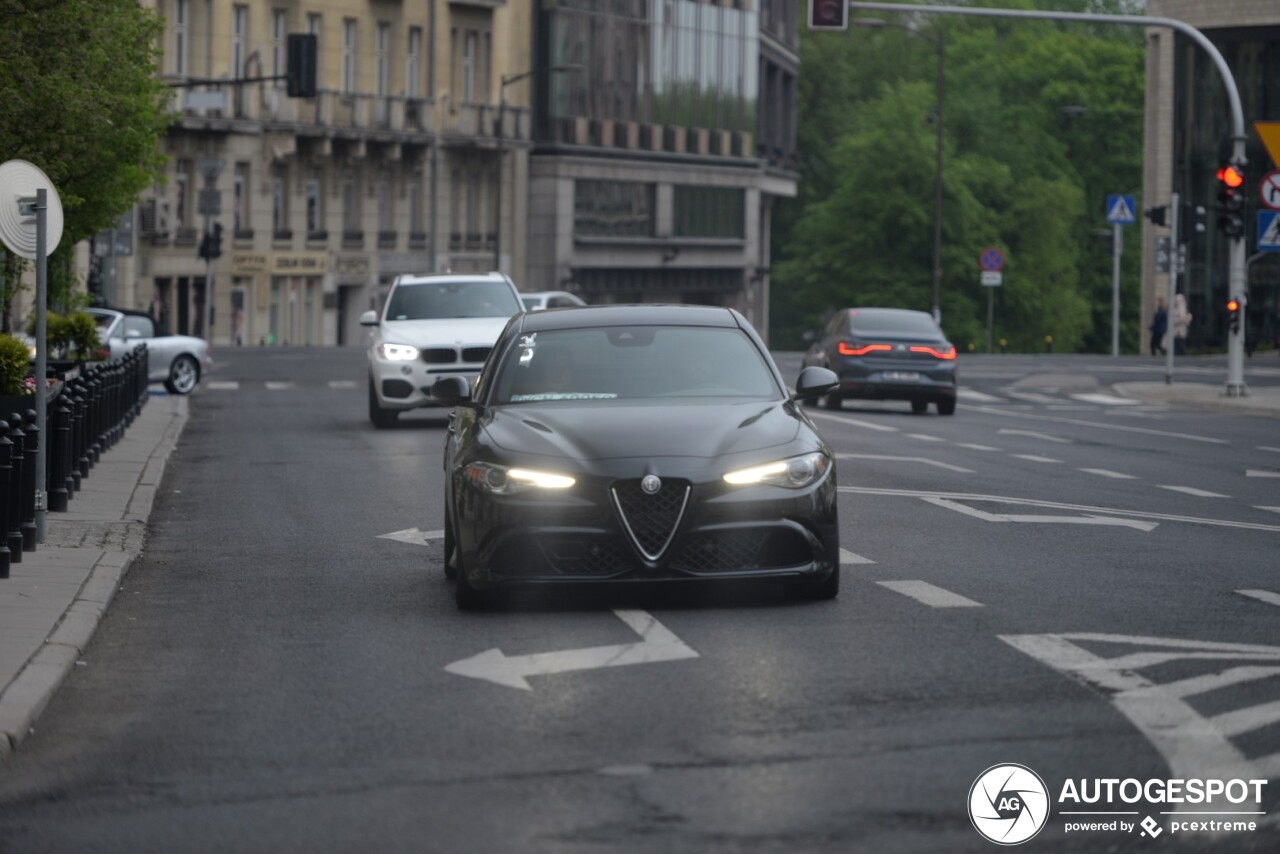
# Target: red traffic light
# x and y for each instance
(1231, 176)
(1233, 305)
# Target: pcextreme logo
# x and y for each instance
(1008, 804)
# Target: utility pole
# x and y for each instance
(210, 206)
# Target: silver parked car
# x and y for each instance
(178, 361)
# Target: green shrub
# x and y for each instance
(15, 357)
(57, 334)
(82, 333)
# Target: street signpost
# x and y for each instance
(1269, 190)
(1268, 231)
(991, 263)
(1120, 211)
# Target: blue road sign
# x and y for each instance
(1269, 231)
(991, 260)
(1120, 210)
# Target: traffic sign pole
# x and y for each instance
(1117, 249)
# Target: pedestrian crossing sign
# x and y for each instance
(1269, 231)
(1120, 210)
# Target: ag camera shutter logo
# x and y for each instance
(1008, 804)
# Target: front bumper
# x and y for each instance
(407, 385)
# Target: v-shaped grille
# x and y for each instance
(651, 520)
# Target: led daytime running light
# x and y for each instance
(755, 474)
(541, 479)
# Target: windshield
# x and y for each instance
(437, 300)
(889, 321)
(632, 362)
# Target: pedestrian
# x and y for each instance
(1159, 326)
(1181, 323)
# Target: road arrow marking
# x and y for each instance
(657, 644)
(1009, 431)
(1262, 596)
(412, 535)
(1136, 524)
(929, 594)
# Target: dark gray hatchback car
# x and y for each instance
(887, 354)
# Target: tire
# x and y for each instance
(467, 597)
(184, 374)
(381, 418)
(450, 563)
(920, 407)
(947, 407)
(832, 401)
(827, 588)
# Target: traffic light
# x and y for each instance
(828, 15)
(1231, 201)
(215, 242)
(202, 251)
(300, 65)
(1233, 315)
(1157, 215)
(1191, 222)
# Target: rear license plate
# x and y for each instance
(901, 375)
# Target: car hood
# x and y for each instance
(612, 431)
(457, 331)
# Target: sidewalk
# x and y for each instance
(1261, 400)
(52, 601)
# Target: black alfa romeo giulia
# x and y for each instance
(622, 443)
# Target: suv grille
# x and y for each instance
(651, 520)
(475, 354)
(439, 355)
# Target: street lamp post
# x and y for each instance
(506, 80)
(940, 46)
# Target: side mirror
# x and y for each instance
(369, 318)
(814, 382)
(451, 391)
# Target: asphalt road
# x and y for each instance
(1051, 577)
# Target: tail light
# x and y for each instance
(949, 353)
(847, 349)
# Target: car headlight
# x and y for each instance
(501, 480)
(793, 472)
(397, 352)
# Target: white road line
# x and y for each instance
(1193, 686)
(847, 557)
(928, 594)
(1106, 399)
(1261, 473)
(222, 385)
(1009, 431)
(974, 447)
(895, 458)
(1240, 721)
(1031, 396)
(279, 386)
(1009, 413)
(1269, 448)
(1262, 596)
(853, 422)
(1109, 473)
(1191, 490)
(1136, 524)
(342, 383)
(1035, 458)
(924, 437)
(978, 396)
(1272, 509)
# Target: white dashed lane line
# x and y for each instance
(1106, 399)
(279, 386)
(1261, 473)
(925, 437)
(1262, 596)
(900, 459)
(222, 385)
(974, 447)
(1009, 431)
(1109, 473)
(1191, 490)
(977, 396)
(848, 558)
(342, 383)
(1036, 458)
(853, 422)
(1263, 507)
(929, 594)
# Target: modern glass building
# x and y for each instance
(1188, 139)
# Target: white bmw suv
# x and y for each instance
(433, 327)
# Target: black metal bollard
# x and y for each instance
(59, 455)
(17, 463)
(75, 401)
(32, 447)
(6, 453)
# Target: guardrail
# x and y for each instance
(86, 415)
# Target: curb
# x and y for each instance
(26, 697)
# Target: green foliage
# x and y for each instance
(1020, 173)
(15, 358)
(82, 333)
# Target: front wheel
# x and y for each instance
(184, 373)
(827, 588)
(381, 418)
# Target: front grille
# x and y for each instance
(439, 355)
(742, 549)
(586, 555)
(475, 354)
(651, 519)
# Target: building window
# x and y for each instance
(239, 38)
(350, 202)
(382, 50)
(412, 63)
(612, 209)
(280, 199)
(468, 77)
(315, 202)
(415, 202)
(180, 36)
(386, 213)
(182, 196)
(240, 211)
(349, 56)
(279, 29)
(708, 212)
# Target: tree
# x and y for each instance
(90, 114)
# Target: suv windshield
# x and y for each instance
(890, 320)
(627, 362)
(437, 300)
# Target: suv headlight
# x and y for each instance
(793, 472)
(397, 352)
(501, 480)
